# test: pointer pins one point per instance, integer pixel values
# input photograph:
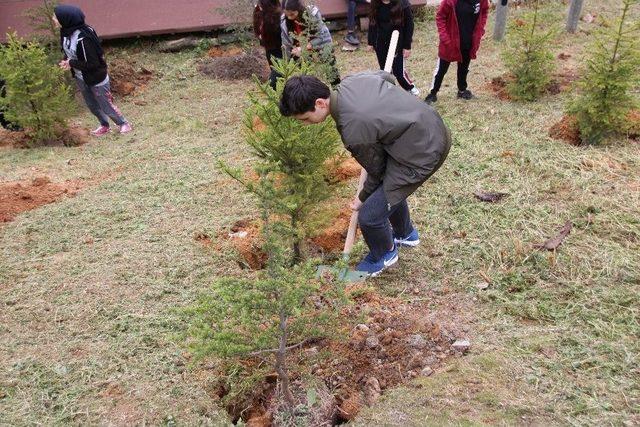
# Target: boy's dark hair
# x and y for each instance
(300, 94)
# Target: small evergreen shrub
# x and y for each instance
(528, 58)
(37, 98)
(609, 76)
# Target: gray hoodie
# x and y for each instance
(398, 139)
(318, 33)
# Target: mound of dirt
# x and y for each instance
(560, 82)
(566, 130)
(217, 51)
(21, 196)
(396, 342)
(633, 124)
(244, 237)
(331, 238)
(342, 169)
(498, 86)
(127, 77)
(72, 136)
(237, 67)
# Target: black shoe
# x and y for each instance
(465, 94)
(431, 98)
(351, 38)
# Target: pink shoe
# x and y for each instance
(126, 128)
(102, 130)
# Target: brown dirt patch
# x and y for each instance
(72, 136)
(397, 341)
(22, 196)
(331, 238)
(217, 51)
(566, 130)
(560, 82)
(633, 124)
(498, 85)
(342, 169)
(237, 67)
(128, 77)
(244, 237)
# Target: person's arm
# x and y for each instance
(87, 54)
(321, 36)
(444, 11)
(407, 31)
(372, 157)
(484, 14)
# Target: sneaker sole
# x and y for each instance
(409, 244)
(386, 265)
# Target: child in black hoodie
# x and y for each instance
(84, 56)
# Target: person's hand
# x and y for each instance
(296, 51)
(64, 64)
(406, 53)
(369, 48)
(309, 46)
(355, 204)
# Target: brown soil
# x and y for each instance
(396, 342)
(561, 82)
(244, 237)
(72, 136)
(498, 86)
(237, 67)
(342, 169)
(331, 238)
(127, 77)
(633, 124)
(218, 51)
(566, 130)
(21, 196)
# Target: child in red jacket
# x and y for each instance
(461, 25)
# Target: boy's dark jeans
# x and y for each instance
(351, 14)
(376, 218)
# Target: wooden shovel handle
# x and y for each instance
(353, 223)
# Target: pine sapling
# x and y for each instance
(528, 58)
(609, 76)
(291, 158)
(37, 97)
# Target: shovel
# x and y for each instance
(345, 273)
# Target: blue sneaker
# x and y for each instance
(373, 267)
(411, 240)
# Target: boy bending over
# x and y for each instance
(398, 139)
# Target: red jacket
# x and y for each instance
(449, 48)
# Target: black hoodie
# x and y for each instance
(90, 56)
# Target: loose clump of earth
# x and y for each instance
(560, 82)
(235, 67)
(127, 77)
(72, 136)
(566, 130)
(20, 196)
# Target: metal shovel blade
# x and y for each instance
(341, 273)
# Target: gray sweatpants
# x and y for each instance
(100, 102)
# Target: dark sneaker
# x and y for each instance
(465, 94)
(374, 267)
(412, 240)
(431, 98)
(351, 38)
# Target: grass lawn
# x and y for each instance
(88, 285)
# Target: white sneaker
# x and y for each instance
(415, 91)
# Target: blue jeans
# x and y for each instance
(351, 14)
(100, 102)
(376, 219)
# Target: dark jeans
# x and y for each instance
(443, 67)
(398, 68)
(351, 14)
(273, 76)
(376, 219)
